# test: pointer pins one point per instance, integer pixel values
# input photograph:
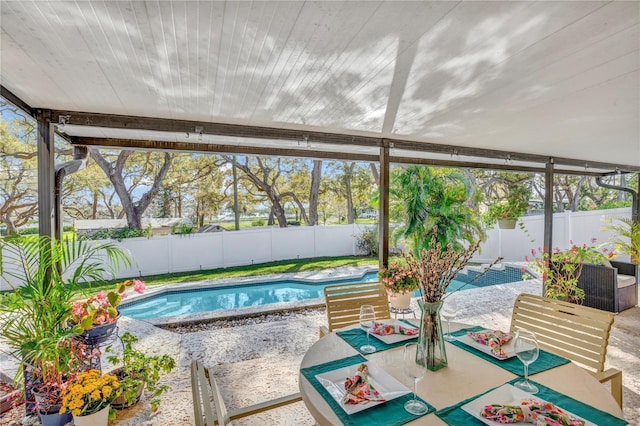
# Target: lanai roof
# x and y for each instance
(524, 80)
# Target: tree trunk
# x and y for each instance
(374, 173)
(94, 206)
(316, 175)
(349, 194)
(269, 189)
(114, 172)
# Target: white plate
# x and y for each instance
(388, 386)
(508, 347)
(395, 337)
(505, 394)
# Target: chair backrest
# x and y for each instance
(566, 329)
(204, 389)
(344, 301)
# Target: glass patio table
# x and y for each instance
(466, 376)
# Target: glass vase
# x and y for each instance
(431, 336)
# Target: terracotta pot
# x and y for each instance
(120, 403)
(400, 300)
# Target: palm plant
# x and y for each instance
(424, 198)
(44, 276)
(628, 237)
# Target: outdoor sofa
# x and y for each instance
(611, 288)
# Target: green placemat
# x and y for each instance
(390, 413)
(546, 360)
(455, 415)
(357, 337)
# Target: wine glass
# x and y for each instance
(526, 348)
(448, 312)
(367, 318)
(412, 368)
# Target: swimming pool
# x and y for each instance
(179, 302)
(233, 296)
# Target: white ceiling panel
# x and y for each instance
(558, 78)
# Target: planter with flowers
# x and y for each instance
(96, 318)
(561, 270)
(434, 269)
(399, 280)
(88, 397)
(137, 371)
(35, 314)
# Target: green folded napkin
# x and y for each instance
(357, 337)
(455, 415)
(390, 413)
(546, 360)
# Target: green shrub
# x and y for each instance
(367, 241)
(258, 222)
(182, 228)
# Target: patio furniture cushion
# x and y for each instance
(625, 280)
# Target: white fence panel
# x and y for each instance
(296, 242)
(151, 256)
(579, 227)
(336, 239)
(246, 247)
(195, 252)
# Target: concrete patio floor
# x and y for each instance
(258, 358)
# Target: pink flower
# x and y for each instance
(78, 309)
(101, 296)
(139, 286)
(593, 240)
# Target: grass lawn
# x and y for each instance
(280, 267)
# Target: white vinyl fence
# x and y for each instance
(579, 227)
(179, 253)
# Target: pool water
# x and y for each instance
(233, 296)
(181, 302)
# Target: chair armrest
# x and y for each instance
(625, 268)
(264, 406)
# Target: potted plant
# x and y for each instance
(560, 271)
(139, 371)
(399, 280)
(60, 361)
(94, 319)
(506, 212)
(628, 237)
(35, 314)
(88, 397)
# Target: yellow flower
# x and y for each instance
(95, 395)
(106, 390)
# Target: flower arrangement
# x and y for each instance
(51, 377)
(89, 392)
(560, 271)
(399, 277)
(436, 267)
(433, 270)
(101, 308)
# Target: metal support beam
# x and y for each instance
(383, 214)
(548, 211)
(46, 173)
(79, 118)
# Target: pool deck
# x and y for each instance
(257, 358)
